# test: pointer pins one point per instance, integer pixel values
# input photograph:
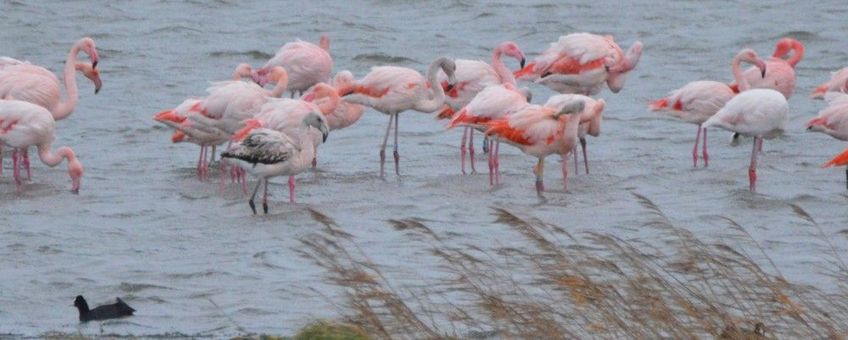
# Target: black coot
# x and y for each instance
(115, 310)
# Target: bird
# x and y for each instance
(116, 310)
(197, 132)
(25, 81)
(345, 114)
(590, 121)
(392, 90)
(699, 100)
(582, 63)
(472, 76)
(839, 160)
(24, 124)
(493, 102)
(540, 131)
(837, 83)
(306, 63)
(780, 73)
(832, 120)
(758, 113)
(267, 153)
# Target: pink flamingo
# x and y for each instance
(345, 114)
(837, 83)
(25, 81)
(267, 153)
(494, 102)
(392, 90)
(697, 101)
(590, 121)
(472, 76)
(306, 63)
(780, 74)
(839, 160)
(582, 63)
(203, 135)
(832, 120)
(541, 131)
(23, 124)
(758, 113)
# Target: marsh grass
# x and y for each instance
(565, 286)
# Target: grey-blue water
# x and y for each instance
(191, 261)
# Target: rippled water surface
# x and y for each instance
(195, 262)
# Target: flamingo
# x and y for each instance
(837, 83)
(780, 74)
(198, 133)
(25, 81)
(23, 124)
(267, 153)
(582, 63)
(306, 63)
(839, 160)
(494, 102)
(345, 114)
(832, 120)
(590, 121)
(758, 113)
(472, 76)
(392, 90)
(540, 131)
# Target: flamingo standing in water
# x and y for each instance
(494, 102)
(198, 133)
(541, 131)
(472, 76)
(35, 84)
(833, 121)
(306, 63)
(780, 73)
(392, 90)
(837, 83)
(697, 101)
(267, 153)
(582, 63)
(344, 114)
(758, 113)
(23, 124)
(590, 121)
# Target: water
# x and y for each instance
(194, 262)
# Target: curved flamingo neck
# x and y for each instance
(51, 158)
(438, 100)
(279, 88)
(737, 73)
(798, 49)
(64, 108)
(328, 106)
(500, 68)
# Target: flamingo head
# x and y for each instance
(449, 67)
(324, 42)
(511, 49)
(242, 70)
(819, 91)
(317, 120)
(75, 171)
(278, 75)
(87, 45)
(528, 95)
(631, 58)
(91, 73)
(343, 78)
(260, 76)
(323, 90)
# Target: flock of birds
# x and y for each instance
(269, 135)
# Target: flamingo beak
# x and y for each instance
(522, 62)
(764, 71)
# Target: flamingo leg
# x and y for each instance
(539, 170)
(471, 149)
(314, 162)
(1, 159)
(15, 171)
(462, 149)
(242, 176)
(291, 189)
(565, 170)
(752, 170)
(213, 154)
(576, 168)
(846, 178)
(26, 163)
(486, 144)
(497, 161)
(383, 147)
(585, 157)
(695, 149)
(491, 159)
(396, 154)
(706, 155)
(255, 189)
(265, 199)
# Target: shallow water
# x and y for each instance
(194, 262)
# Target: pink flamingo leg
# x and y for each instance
(565, 171)
(576, 168)
(695, 149)
(491, 159)
(486, 144)
(706, 155)
(383, 147)
(462, 149)
(396, 153)
(26, 164)
(752, 170)
(471, 149)
(291, 189)
(497, 161)
(199, 168)
(585, 157)
(265, 198)
(242, 177)
(1, 159)
(16, 172)
(540, 185)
